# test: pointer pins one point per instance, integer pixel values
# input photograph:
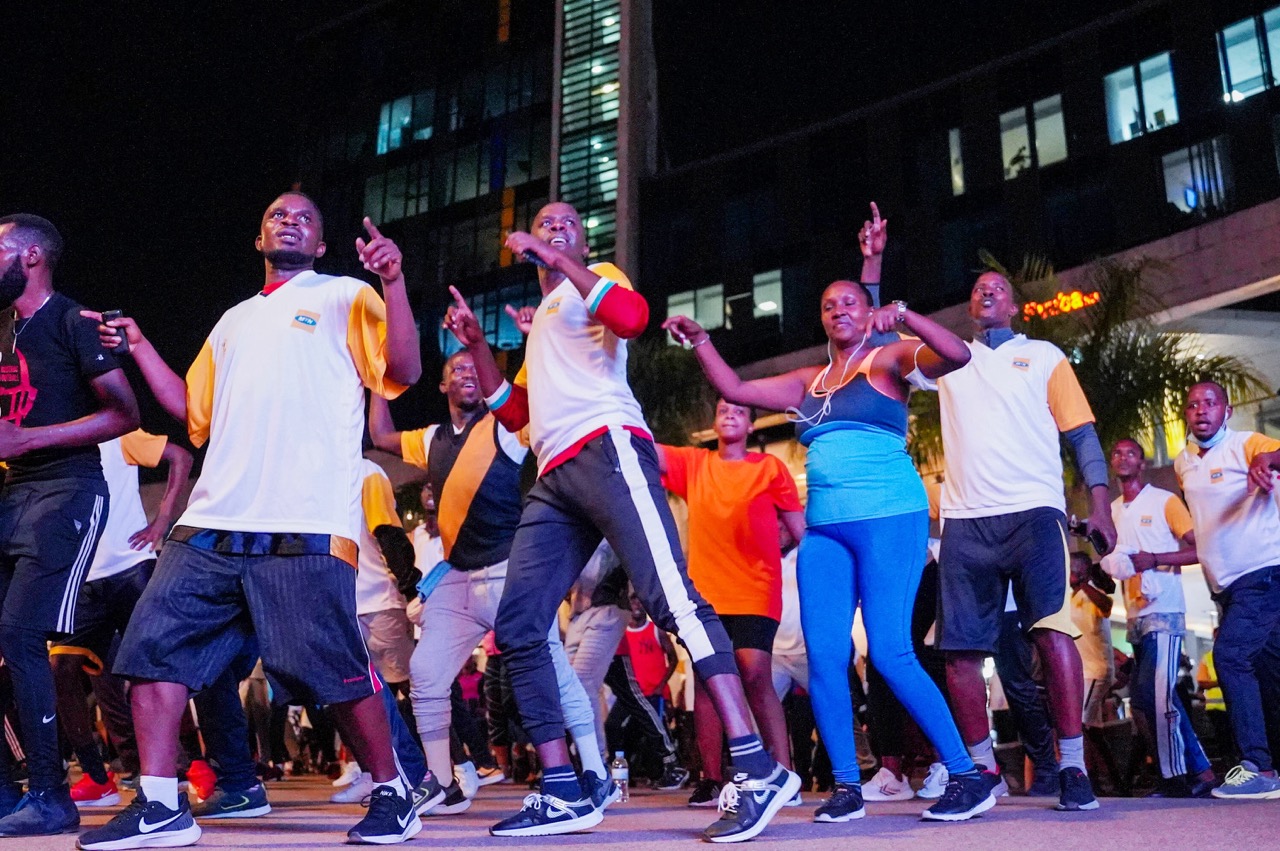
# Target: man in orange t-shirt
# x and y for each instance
(735, 499)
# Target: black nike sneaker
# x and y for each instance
(546, 815)
(250, 803)
(967, 795)
(144, 824)
(427, 795)
(42, 812)
(748, 804)
(391, 819)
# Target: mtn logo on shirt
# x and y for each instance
(553, 306)
(1023, 364)
(1145, 520)
(1215, 476)
(306, 320)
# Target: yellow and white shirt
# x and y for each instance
(121, 459)
(376, 589)
(278, 393)
(1155, 522)
(1237, 530)
(1001, 417)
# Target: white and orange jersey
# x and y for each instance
(121, 459)
(574, 376)
(376, 589)
(1154, 522)
(1001, 417)
(278, 393)
(1237, 530)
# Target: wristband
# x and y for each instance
(902, 310)
(703, 342)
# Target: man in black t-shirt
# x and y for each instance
(61, 394)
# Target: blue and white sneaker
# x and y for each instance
(547, 815)
(1246, 783)
(601, 792)
(144, 824)
(391, 819)
(748, 804)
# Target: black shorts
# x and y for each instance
(102, 613)
(49, 532)
(750, 632)
(202, 605)
(981, 556)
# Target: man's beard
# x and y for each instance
(13, 283)
(283, 258)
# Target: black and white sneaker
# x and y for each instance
(673, 777)
(845, 804)
(1076, 792)
(706, 792)
(748, 804)
(144, 824)
(546, 815)
(601, 792)
(391, 819)
(451, 803)
(250, 803)
(42, 812)
(966, 796)
(427, 795)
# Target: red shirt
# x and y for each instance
(648, 659)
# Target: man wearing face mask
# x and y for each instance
(1228, 478)
(61, 394)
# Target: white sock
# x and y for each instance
(589, 752)
(983, 754)
(162, 789)
(395, 783)
(1072, 751)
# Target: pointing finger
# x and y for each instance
(371, 228)
(457, 298)
(875, 214)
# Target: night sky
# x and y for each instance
(153, 134)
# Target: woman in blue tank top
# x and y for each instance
(867, 517)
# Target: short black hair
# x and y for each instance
(751, 411)
(858, 285)
(1142, 453)
(40, 231)
(1226, 397)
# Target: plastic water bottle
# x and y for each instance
(621, 775)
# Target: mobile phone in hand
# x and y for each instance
(111, 316)
(533, 258)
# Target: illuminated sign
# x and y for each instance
(1059, 304)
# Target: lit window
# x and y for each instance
(1240, 60)
(1034, 136)
(1198, 179)
(704, 305)
(766, 293)
(424, 114)
(957, 162)
(1141, 98)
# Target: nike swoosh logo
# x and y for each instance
(151, 828)
(404, 822)
(761, 797)
(243, 802)
(48, 718)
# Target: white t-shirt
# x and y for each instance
(1154, 522)
(428, 549)
(278, 393)
(1001, 417)
(1094, 642)
(789, 640)
(121, 458)
(375, 586)
(1237, 531)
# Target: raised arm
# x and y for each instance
(509, 404)
(179, 461)
(775, 393)
(382, 431)
(166, 385)
(117, 414)
(382, 257)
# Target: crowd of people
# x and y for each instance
(437, 656)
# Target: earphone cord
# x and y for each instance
(819, 390)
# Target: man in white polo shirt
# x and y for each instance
(1228, 478)
(1003, 503)
(1154, 541)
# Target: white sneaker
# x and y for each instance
(797, 801)
(935, 783)
(350, 773)
(886, 787)
(468, 780)
(356, 791)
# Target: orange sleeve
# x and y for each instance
(379, 502)
(413, 447)
(782, 488)
(1067, 403)
(1256, 444)
(142, 449)
(200, 395)
(678, 460)
(367, 342)
(1178, 518)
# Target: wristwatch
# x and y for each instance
(902, 310)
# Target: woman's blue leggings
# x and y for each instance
(877, 562)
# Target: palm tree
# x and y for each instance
(1133, 373)
(675, 396)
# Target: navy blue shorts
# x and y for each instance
(201, 605)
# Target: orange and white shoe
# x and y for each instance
(87, 793)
